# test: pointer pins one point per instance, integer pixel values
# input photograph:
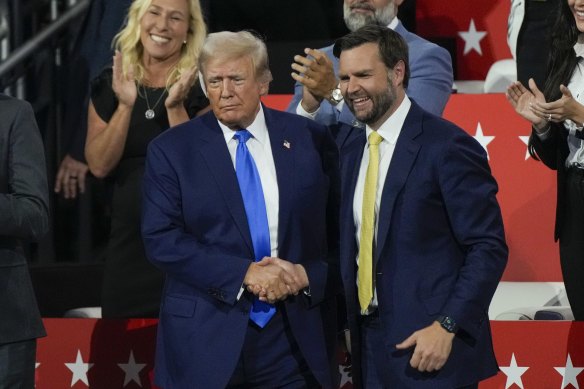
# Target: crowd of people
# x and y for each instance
(257, 235)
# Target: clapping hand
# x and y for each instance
(317, 75)
(522, 99)
(179, 91)
(124, 86)
(566, 107)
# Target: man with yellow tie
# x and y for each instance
(422, 240)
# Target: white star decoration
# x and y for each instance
(525, 139)
(345, 377)
(132, 370)
(79, 369)
(472, 38)
(482, 139)
(569, 373)
(513, 373)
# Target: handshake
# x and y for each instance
(274, 279)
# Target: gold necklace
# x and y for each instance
(150, 114)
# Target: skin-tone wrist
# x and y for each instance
(310, 102)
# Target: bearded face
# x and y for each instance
(358, 13)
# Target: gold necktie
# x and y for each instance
(365, 272)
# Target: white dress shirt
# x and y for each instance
(261, 150)
(390, 131)
(576, 87)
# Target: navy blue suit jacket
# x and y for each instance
(440, 247)
(195, 230)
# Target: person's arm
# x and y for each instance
(174, 250)
(105, 141)
(71, 177)
(177, 95)
(544, 138)
(24, 208)
(310, 92)
(469, 192)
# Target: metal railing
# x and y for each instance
(11, 60)
(35, 41)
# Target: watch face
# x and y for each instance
(448, 324)
(337, 95)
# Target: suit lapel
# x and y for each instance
(350, 163)
(404, 156)
(216, 154)
(284, 152)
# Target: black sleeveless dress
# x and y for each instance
(132, 286)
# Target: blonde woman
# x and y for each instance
(151, 87)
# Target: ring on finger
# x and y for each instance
(549, 117)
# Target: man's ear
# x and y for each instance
(399, 71)
(264, 88)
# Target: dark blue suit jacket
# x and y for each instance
(195, 230)
(440, 247)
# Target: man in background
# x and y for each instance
(317, 95)
(23, 217)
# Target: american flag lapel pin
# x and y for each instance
(286, 144)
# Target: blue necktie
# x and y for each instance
(257, 218)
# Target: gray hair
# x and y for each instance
(232, 45)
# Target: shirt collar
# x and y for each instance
(391, 128)
(257, 128)
(579, 46)
(393, 23)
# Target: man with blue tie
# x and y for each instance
(422, 240)
(240, 212)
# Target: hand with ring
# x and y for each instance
(71, 177)
(523, 101)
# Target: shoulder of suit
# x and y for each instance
(13, 105)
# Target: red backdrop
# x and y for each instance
(115, 354)
(447, 19)
(527, 188)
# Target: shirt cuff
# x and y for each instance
(302, 112)
(544, 135)
(241, 290)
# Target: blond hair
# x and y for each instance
(231, 45)
(127, 41)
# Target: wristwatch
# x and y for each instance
(448, 323)
(336, 96)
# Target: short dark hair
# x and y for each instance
(392, 47)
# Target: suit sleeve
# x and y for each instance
(431, 82)
(547, 150)
(24, 207)
(327, 114)
(324, 274)
(469, 191)
(171, 247)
